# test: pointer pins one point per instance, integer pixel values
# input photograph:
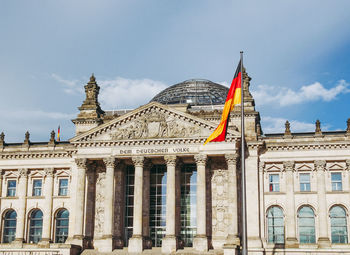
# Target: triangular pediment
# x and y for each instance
(273, 168)
(153, 121)
(335, 166)
(304, 167)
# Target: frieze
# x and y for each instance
(30, 155)
(155, 125)
(143, 151)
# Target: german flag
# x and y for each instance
(58, 133)
(233, 98)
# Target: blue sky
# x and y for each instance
(297, 53)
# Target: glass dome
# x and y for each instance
(194, 92)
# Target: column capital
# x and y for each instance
(23, 172)
(49, 171)
(231, 158)
(201, 159)
(110, 162)
(138, 160)
(288, 165)
(81, 162)
(170, 160)
(320, 165)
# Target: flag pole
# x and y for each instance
(243, 186)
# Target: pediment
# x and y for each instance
(304, 167)
(335, 166)
(273, 168)
(150, 122)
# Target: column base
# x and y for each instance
(105, 244)
(323, 242)
(118, 243)
(77, 240)
(200, 243)
(231, 246)
(44, 243)
(291, 242)
(135, 244)
(169, 244)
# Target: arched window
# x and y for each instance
(275, 225)
(9, 229)
(35, 226)
(339, 228)
(62, 220)
(306, 225)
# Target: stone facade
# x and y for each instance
(133, 181)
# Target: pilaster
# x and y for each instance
(21, 193)
(48, 190)
(291, 240)
(323, 239)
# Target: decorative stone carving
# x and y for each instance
(49, 171)
(100, 208)
(170, 160)
(320, 165)
(138, 160)
(81, 162)
(26, 138)
(22, 172)
(287, 129)
(220, 216)
(52, 137)
(110, 162)
(318, 128)
(231, 158)
(288, 165)
(155, 125)
(347, 164)
(200, 159)
(2, 139)
(348, 126)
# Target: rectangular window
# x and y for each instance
(63, 187)
(11, 188)
(37, 187)
(336, 181)
(304, 182)
(274, 182)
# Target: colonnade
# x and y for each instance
(136, 242)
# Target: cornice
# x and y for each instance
(307, 146)
(141, 142)
(34, 155)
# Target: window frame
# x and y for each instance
(313, 225)
(11, 188)
(304, 183)
(59, 188)
(275, 241)
(4, 227)
(56, 235)
(35, 189)
(274, 186)
(345, 225)
(338, 183)
(30, 227)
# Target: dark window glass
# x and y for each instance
(158, 178)
(188, 204)
(274, 182)
(35, 226)
(63, 187)
(11, 188)
(339, 227)
(37, 187)
(304, 182)
(275, 225)
(62, 221)
(306, 225)
(9, 228)
(336, 181)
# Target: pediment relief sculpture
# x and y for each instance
(155, 125)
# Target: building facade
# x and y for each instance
(140, 180)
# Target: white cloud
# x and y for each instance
(277, 125)
(70, 86)
(285, 96)
(35, 115)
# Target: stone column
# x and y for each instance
(107, 242)
(47, 191)
(79, 201)
(21, 213)
(291, 239)
(136, 241)
(119, 205)
(147, 241)
(323, 239)
(169, 242)
(232, 240)
(200, 242)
